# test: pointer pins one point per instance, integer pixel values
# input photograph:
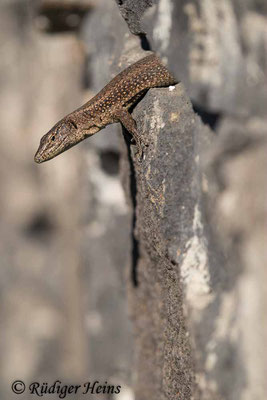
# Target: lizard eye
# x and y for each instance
(53, 138)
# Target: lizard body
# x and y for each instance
(110, 105)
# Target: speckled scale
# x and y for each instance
(108, 106)
(144, 74)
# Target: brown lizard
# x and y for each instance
(110, 105)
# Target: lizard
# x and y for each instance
(109, 106)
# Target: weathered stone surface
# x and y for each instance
(214, 48)
(217, 224)
(167, 190)
(132, 11)
(236, 210)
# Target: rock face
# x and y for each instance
(168, 226)
(199, 202)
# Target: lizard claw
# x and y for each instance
(140, 152)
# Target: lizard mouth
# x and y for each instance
(45, 154)
(38, 158)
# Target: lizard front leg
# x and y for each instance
(125, 118)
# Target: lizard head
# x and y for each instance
(61, 137)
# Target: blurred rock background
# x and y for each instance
(64, 225)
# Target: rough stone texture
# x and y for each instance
(212, 236)
(168, 196)
(237, 167)
(217, 49)
(132, 11)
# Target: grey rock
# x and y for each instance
(168, 196)
(132, 11)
